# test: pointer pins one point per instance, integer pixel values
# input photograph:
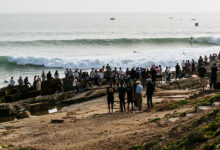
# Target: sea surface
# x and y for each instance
(30, 43)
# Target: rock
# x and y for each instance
(216, 103)
(38, 106)
(202, 108)
(73, 112)
(190, 114)
(172, 120)
(57, 120)
(7, 110)
(25, 114)
(183, 114)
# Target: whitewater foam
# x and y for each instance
(142, 59)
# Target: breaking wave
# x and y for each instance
(115, 42)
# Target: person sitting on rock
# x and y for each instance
(43, 76)
(12, 82)
(20, 81)
(38, 86)
(49, 76)
(26, 82)
(56, 75)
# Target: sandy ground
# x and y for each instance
(91, 128)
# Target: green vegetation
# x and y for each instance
(155, 119)
(177, 104)
(203, 133)
(186, 142)
(207, 101)
(209, 132)
(214, 145)
(136, 147)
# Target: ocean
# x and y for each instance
(30, 43)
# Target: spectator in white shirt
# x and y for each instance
(12, 82)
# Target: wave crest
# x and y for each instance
(112, 42)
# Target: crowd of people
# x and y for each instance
(130, 82)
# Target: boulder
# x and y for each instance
(7, 110)
(38, 107)
(25, 114)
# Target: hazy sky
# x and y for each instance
(62, 6)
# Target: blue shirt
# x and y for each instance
(139, 89)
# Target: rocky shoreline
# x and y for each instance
(24, 108)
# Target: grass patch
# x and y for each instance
(136, 147)
(177, 104)
(208, 101)
(209, 132)
(214, 145)
(155, 119)
(187, 142)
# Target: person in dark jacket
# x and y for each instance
(177, 71)
(153, 74)
(110, 97)
(149, 92)
(121, 94)
(130, 95)
(202, 75)
(213, 80)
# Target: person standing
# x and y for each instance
(213, 79)
(153, 73)
(110, 97)
(92, 76)
(202, 74)
(75, 85)
(177, 71)
(149, 92)
(139, 90)
(130, 95)
(100, 76)
(122, 92)
(66, 72)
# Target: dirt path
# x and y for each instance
(91, 128)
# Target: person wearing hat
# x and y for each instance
(149, 92)
(138, 91)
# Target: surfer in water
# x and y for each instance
(191, 40)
